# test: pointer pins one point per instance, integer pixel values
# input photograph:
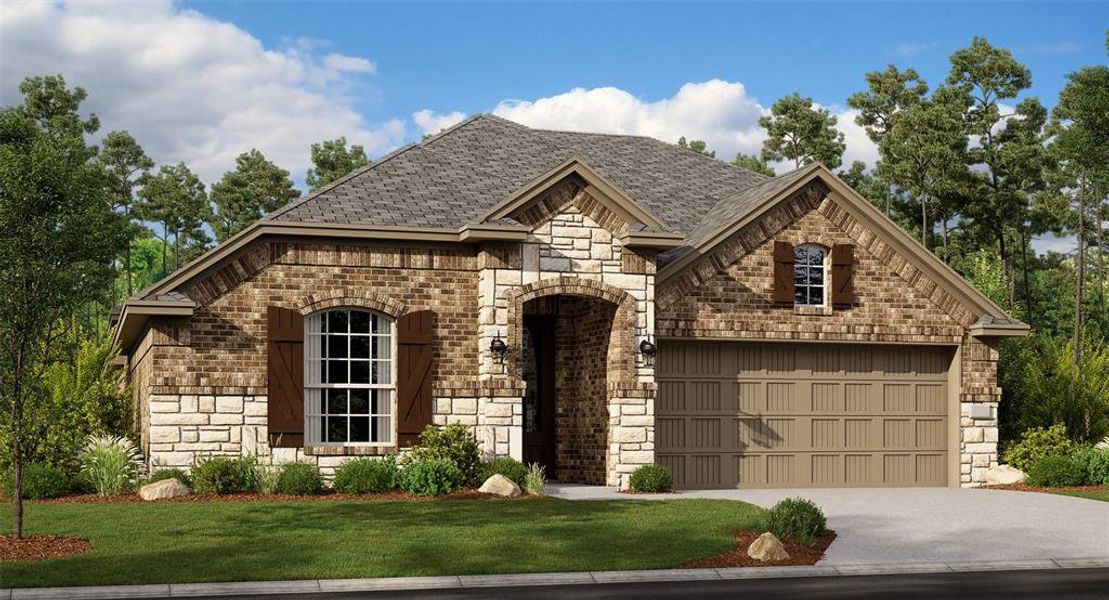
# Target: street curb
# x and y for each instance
(319, 586)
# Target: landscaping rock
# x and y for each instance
(499, 485)
(1004, 475)
(166, 488)
(768, 548)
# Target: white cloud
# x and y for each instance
(431, 122)
(191, 88)
(911, 48)
(719, 112)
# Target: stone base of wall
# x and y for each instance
(978, 441)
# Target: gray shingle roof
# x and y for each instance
(453, 178)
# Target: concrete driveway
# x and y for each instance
(899, 525)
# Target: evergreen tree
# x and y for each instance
(802, 133)
(331, 160)
(254, 188)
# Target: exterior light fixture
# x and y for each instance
(498, 348)
(647, 348)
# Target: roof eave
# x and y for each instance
(1010, 330)
(662, 240)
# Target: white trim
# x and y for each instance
(825, 255)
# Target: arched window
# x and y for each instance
(348, 378)
(809, 275)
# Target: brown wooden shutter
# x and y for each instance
(783, 273)
(285, 376)
(415, 338)
(843, 265)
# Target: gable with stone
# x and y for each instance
(588, 302)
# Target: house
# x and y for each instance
(589, 302)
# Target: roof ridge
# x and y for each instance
(373, 164)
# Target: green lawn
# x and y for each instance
(184, 542)
(1102, 495)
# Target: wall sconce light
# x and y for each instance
(498, 348)
(648, 349)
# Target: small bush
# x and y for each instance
(265, 478)
(507, 466)
(651, 478)
(163, 474)
(366, 476)
(1038, 442)
(40, 482)
(1094, 462)
(796, 520)
(536, 480)
(224, 475)
(299, 479)
(108, 465)
(1056, 471)
(431, 477)
(455, 442)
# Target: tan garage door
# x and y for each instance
(759, 415)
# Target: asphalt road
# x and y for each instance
(1055, 583)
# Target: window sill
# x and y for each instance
(349, 450)
(813, 311)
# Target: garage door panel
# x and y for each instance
(834, 419)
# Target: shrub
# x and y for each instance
(651, 478)
(224, 475)
(108, 465)
(455, 443)
(536, 479)
(366, 476)
(265, 478)
(796, 520)
(507, 466)
(1056, 471)
(299, 479)
(431, 477)
(163, 474)
(1038, 442)
(1094, 465)
(40, 481)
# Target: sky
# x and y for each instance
(201, 82)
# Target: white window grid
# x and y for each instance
(810, 275)
(328, 369)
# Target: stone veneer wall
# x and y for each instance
(728, 294)
(574, 251)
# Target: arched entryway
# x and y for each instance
(574, 343)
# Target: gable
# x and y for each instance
(916, 270)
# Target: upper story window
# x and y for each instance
(809, 266)
(348, 378)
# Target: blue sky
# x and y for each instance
(468, 57)
(201, 82)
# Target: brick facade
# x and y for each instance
(200, 383)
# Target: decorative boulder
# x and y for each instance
(768, 548)
(499, 485)
(166, 488)
(1004, 475)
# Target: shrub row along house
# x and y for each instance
(588, 302)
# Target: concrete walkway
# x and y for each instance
(948, 525)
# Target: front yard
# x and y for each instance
(1102, 494)
(181, 542)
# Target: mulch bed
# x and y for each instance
(1023, 487)
(41, 547)
(328, 495)
(737, 557)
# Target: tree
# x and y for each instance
(1080, 138)
(923, 153)
(888, 93)
(867, 183)
(331, 160)
(800, 132)
(697, 146)
(254, 188)
(126, 163)
(59, 239)
(1007, 159)
(175, 198)
(753, 163)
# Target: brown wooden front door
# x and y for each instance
(539, 399)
